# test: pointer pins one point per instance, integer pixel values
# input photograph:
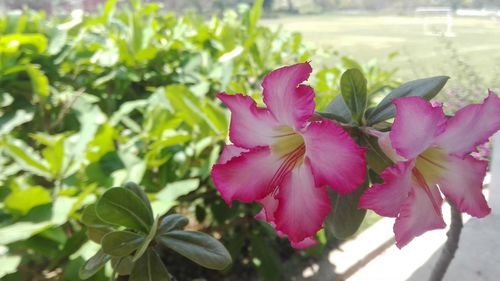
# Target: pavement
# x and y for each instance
(372, 255)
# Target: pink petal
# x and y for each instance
(418, 215)
(246, 177)
(306, 243)
(302, 207)
(229, 152)
(336, 160)
(385, 144)
(250, 126)
(471, 126)
(386, 199)
(269, 206)
(463, 184)
(416, 125)
(292, 104)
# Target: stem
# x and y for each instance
(450, 246)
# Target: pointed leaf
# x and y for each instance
(345, 218)
(120, 206)
(93, 265)
(426, 88)
(199, 247)
(121, 243)
(354, 90)
(149, 268)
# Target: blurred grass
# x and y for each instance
(476, 42)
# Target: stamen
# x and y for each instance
(430, 161)
(289, 162)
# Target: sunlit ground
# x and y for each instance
(475, 42)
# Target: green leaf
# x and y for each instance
(139, 192)
(12, 119)
(26, 157)
(8, 264)
(121, 243)
(39, 82)
(93, 265)
(122, 265)
(265, 259)
(149, 268)
(172, 222)
(426, 88)
(147, 241)
(338, 110)
(354, 90)
(199, 247)
(346, 218)
(90, 218)
(167, 197)
(120, 206)
(22, 201)
(97, 233)
(375, 157)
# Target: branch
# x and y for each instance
(450, 246)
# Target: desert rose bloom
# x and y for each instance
(432, 156)
(283, 159)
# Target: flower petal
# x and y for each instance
(336, 160)
(229, 152)
(416, 125)
(236, 180)
(292, 104)
(471, 126)
(250, 126)
(418, 215)
(463, 184)
(306, 243)
(386, 199)
(302, 207)
(269, 205)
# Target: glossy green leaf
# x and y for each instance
(149, 268)
(172, 222)
(122, 207)
(346, 217)
(353, 86)
(121, 243)
(199, 247)
(22, 201)
(93, 265)
(426, 88)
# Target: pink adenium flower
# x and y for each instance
(432, 156)
(283, 159)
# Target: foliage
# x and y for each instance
(132, 251)
(89, 102)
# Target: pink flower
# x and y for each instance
(283, 159)
(432, 157)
